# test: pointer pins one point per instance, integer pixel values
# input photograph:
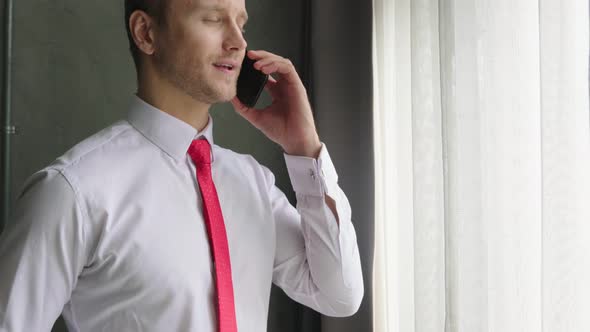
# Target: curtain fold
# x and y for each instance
(482, 151)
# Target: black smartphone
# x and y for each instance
(251, 82)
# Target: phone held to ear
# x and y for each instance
(251, 82)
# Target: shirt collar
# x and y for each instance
(170, 134)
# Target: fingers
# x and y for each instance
(269, 63)
(271, 87)
(282, 67)
(272, 67)
(275, 65)
(241, 108)
(255, 55)
(263, 62)
(250, 114)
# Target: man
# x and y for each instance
(150, 226)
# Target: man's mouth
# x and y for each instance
(227, 67)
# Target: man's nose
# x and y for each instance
(236, 40)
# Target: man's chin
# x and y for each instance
(225, 95)
(215, 96)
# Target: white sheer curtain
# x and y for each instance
(482, 147)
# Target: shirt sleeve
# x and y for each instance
(41, 254)
(317, 261)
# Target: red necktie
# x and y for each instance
(200, 152)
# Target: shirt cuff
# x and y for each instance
(312, 177)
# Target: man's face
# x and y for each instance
(198, 41)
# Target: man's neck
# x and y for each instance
(175, 102)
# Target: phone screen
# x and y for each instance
(251, 82)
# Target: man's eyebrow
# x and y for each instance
(243, 15)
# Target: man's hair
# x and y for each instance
(154, 8)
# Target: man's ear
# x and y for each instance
(141, 26)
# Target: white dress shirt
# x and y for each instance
(112, 235)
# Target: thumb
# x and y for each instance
(248, 113)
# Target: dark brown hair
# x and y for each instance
(154, 8)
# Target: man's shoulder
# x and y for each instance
(73, 164)
(95, 147)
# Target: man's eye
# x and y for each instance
(213, 19)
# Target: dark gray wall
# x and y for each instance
(73, 76)
(341, 76)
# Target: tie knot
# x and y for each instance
(200, 151)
